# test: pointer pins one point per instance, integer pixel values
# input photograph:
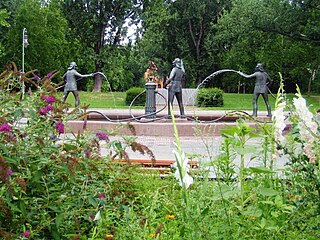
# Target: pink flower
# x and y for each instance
(48, 107)
(5, 127)
(43, 111)
(60, 127)
(49, 99)
(9, 172)
(307, 127)
(101, 195)
(26, 234)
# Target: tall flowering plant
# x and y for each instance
(300, 146)
(36, 163)
(182, 168)
(53, 184)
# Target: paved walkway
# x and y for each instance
(202, 148)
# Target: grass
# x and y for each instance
(232, 101)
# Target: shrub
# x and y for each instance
(210, 97)
(134, 92)
(54, 186)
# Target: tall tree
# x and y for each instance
(281, 34)
(98, 23)
(179, 29)
(47, 47)
(3, 25)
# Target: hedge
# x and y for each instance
(210, 97)
(132, 93)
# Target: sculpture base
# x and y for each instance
(189, 97)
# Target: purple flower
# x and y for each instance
(53, 137)
(60, 127)
(85, 124)
(49, 75)
(87, 153)
(5, 127)
(9, 172)
(26, 234)
(48, 107)
(101, 195)
(101, 135)
(29, 92)
(49, 99)
(36, 78)
(91, 216)
(43, 111)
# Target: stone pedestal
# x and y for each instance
(189, 97)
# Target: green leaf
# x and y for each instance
(245, 150)
(69, 147)
(278, 201)
(54, 232)
(22, 207)
(252, 212)
(37, 176)
(4, 148)
(225, 192)
(59, 220)
(205, 211)
(259, 170)
(118, 146)
(92, 201)
(229, 131)
(268, 192)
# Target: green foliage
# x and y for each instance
(53, 186)
(57, 186)
(98, 27)
(46, 36)
(132, 94)
(210, 97)
(279, 44)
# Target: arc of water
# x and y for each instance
(212, 76)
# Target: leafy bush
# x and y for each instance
(53, 185)
(210, 97)
(134, 92)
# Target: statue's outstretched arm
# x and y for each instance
(246, 75)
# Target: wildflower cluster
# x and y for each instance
(307, 127)
(5, 127)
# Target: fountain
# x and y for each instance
(154, 122)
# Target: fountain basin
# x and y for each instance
(161, 127)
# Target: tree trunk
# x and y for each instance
(97, 79)
(311, 79)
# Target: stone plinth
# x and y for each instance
(189, 97)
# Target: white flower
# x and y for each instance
(278, 119)
(182, 169)
(307, 127)
(97, 217)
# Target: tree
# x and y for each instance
(48, 48)
(179, 29)
(3, 24)
(96, 24)
(280, 34)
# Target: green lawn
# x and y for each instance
(232, 101)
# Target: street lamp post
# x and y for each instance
(24, 45)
